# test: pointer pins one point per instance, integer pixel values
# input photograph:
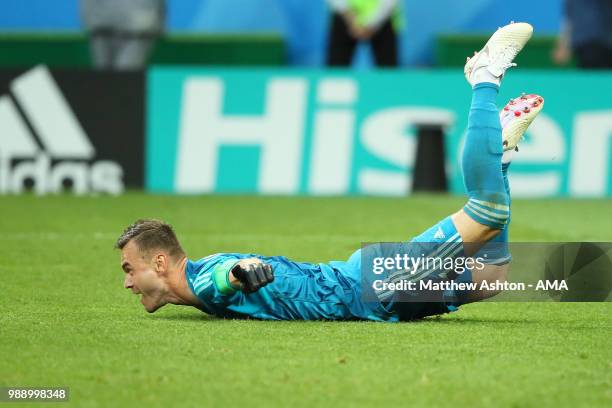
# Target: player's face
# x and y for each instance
(142, 277)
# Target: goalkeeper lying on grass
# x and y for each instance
(239, 285)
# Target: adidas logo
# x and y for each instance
(42, 143)
(439, 234)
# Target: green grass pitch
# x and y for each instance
(67, 321)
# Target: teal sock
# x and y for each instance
(489, 202)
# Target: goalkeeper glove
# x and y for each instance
(254, 276)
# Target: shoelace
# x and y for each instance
(509, 52)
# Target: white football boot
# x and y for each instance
(490, 63)
(516, 117)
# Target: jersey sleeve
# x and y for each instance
(212, 286)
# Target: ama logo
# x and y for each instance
(44, 147)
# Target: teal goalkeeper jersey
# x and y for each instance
(300, 291)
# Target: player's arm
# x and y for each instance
(247, 275)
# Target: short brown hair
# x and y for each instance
(150, 234)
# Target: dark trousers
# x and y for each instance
(341, 45)
(594, 55)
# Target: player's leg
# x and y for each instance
(487, 210)
(443, 237)
(515, 118)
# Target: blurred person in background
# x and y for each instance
(122, 32)
(586, 33)
(373, 21)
